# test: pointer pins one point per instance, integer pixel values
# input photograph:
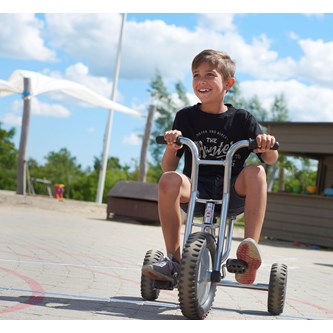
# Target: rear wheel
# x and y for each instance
(196, 291)
(148, 290)
(277, 288)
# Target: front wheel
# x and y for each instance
(196, 291)
(277, 288)
(148, 290)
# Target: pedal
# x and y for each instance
(216, 276)
(236, 266)
(165, 284)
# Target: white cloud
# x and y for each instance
(292, 35)
(12, 119)
(305, 103)
(154, 44)
(48, 110)
(133, 140)
(147, 46)
(91, 130)
(86, 36)
(80, 73)
(21, 38)
(317, 63)
(217, 22)
(38, 108)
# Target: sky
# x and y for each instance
(289, 53)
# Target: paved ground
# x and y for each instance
(64, 260)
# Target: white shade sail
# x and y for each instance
(41, 84)
(6, 88)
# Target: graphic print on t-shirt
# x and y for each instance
(212, 144)
(214, 134)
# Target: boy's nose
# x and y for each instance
(202, 81)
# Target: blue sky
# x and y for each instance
(275, 53)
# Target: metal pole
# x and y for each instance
(107, 134)
(145, 143)
(21, 162)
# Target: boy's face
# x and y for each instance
(208, 84)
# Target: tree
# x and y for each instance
(62, 168)
(166, 107)
(299, 179)
(255, 107)
(85, 187)
(181, 93)
(280, 112)
(8, 159)
(279, 109)
(234, 97)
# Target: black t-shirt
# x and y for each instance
(214, 134)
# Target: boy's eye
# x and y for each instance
(196, 76)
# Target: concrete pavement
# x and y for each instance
(64, 260)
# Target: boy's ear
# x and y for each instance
(230, 82)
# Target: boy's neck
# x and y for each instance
(213, 108)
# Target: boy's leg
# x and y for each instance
(173, 189)
(251, 184)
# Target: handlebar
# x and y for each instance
(252, 143)
(161, 141)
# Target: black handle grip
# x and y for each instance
(253, 145)
(160, 140)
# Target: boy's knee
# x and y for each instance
(256, 171)
(255, 175)
(169, 181)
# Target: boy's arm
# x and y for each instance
(270, 156)
(170, 160)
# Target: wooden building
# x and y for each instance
(136, 200)
(306, 218)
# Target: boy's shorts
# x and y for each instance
(211, 187)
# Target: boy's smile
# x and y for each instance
(204, 90)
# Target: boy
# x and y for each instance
(214, 126)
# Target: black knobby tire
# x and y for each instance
(148, 291)
(277, 288)
(195, 290)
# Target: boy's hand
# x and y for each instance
(265, 142)
(170, 137)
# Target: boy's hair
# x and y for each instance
(221, 60)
